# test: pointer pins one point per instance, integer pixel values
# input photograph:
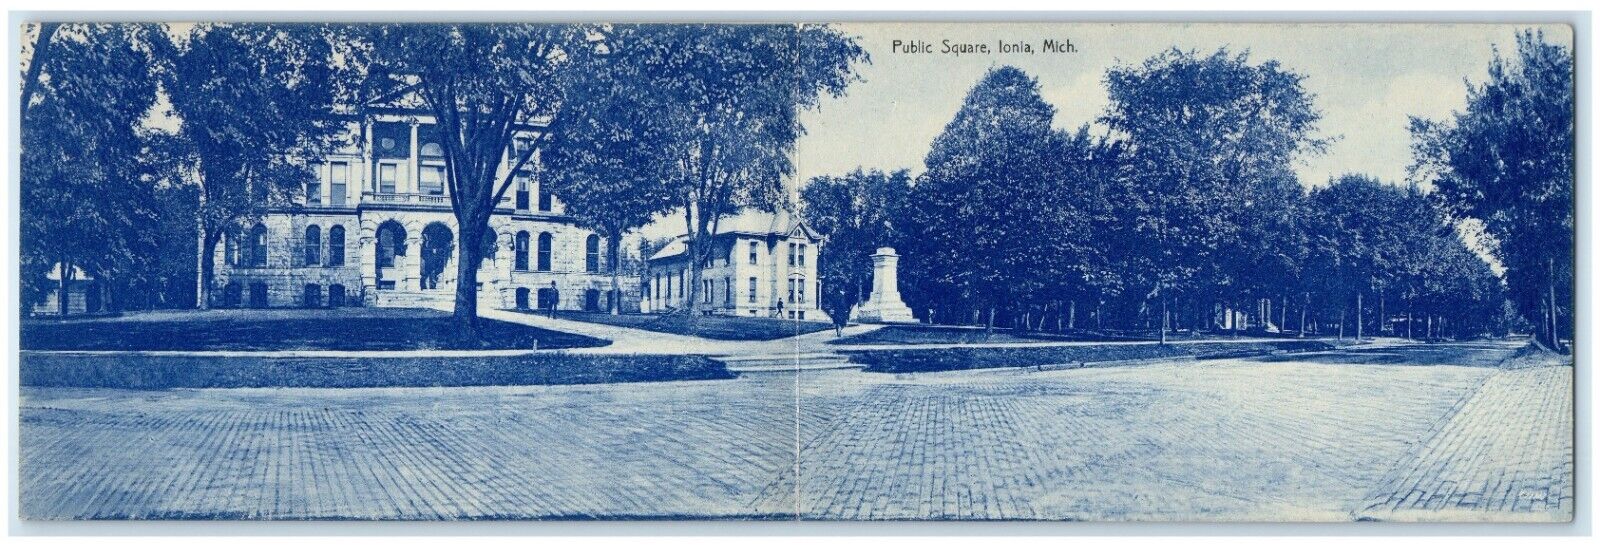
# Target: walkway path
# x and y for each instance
(1505, 449)
(625, 340)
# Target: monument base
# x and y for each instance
(887, 312)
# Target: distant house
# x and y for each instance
(85, 294)
(765, 265)
(375, 228)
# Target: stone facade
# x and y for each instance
(370, 196)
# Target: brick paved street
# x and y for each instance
(1336, 436)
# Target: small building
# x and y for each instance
(84, 293)
(763, 265)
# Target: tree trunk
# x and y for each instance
(1163, 319)
(205, 266)
(989, 326)
(41, 56)
(1408, 325)
(1358, 317)
(1383, 314)
(1072, 315)
(1341, 322)
(1303, 307)
(614, 241)
(469, 253)
(63, 284)
(1555, 311)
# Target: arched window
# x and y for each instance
(754, 247)
(522, 251)
(257, 244)
(491, 244)
(591, 254)
(391, 243)
(544, 251)
(336, 246)
(313, 247)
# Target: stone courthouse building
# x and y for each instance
(375, 228)
(764, 265)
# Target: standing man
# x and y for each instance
(555, 296)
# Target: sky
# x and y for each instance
(1367, 79)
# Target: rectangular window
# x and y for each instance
(386, 177)
(727, 291)
(431, 180)
(800, 289)
(791, 257)
(314, 191)
(710, 287)
(753, 248)
(544, 199)
(752, 290)
(338, 177)
(791, 290)
(681, 283)
(802, 256)
(522, 192)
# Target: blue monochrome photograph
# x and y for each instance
(860, 271)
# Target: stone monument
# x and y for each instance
(884, 305)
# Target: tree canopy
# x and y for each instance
(256, 107)
(1508, 160)
(855, 214)
(87, 199)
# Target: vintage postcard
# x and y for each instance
(852, 271)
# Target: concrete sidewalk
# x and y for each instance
(626, 340)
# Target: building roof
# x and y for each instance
(748, 222)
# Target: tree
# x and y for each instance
(256, 104)
(730, 95)
(87, 203)
(610, 162)
(1508, 160)
(495, 92)
(999, 153)
(1203, 133)
(1359, 235)
(855, 214)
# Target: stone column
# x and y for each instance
(367, 250)
(413, 167)
(410, 265)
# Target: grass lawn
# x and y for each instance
(166, 372)
(285, 329)
(930, 334)
(715, 327)
(947, 359)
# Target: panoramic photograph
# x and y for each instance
(859, 271)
